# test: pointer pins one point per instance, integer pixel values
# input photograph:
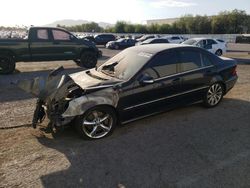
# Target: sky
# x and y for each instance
(41, 12)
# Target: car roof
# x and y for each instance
(44, 27)
(152, 39)
(156, 48)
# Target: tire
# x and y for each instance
(218, 52)
(7, 64)
(88, 59)
(96, 123)
(213, 95)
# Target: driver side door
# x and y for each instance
(65, 45)
(153, 89)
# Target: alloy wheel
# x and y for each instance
(214, 94)
(97, 124)
(218, 52)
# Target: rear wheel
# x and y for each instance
(96, 123)
(213, 95)
(7, 64)
(218, 52)
(88, 59)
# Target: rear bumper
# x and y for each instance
(230, 83)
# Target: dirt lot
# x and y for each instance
(186, 147)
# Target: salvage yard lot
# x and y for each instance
(187, 147)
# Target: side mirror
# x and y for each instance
(146, 80)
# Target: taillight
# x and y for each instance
(234, 71)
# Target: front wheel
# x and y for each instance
(7, 64)
(96, 123)
(88, 59)
(213, 95)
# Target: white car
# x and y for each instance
(216, 46)
(174, 39)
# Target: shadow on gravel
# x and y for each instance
(186, 147)
(10, 92)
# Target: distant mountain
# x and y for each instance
(69, 22)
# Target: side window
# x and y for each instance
(42, 34)
(154, 41)
(210, 42)
(202, 43)
(206, 61)
(190, 60)
(60, 35)
(164, 64)
(175, 38)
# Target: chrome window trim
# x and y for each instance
(181, 73)
(163, 98)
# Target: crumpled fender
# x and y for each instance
(80, 105)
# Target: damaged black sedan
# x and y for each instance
(137, 82)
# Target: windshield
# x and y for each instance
(125, 64)
(190, 42)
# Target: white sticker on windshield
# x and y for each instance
(145, 54)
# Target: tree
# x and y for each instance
(164, 29)
(129, 28)
(153, 28)
(139, 28)
(120, 27)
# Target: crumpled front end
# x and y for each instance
(63, 97)
(54, 94)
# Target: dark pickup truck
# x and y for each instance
(47, 44)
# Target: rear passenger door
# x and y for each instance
(196, 71)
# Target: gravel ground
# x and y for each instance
(186, 147)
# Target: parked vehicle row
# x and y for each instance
(146, 39)
(48, 44)
(215, 46)
(138, 82)
(153, 41)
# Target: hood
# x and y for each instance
(88, 80)
(57, 86)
